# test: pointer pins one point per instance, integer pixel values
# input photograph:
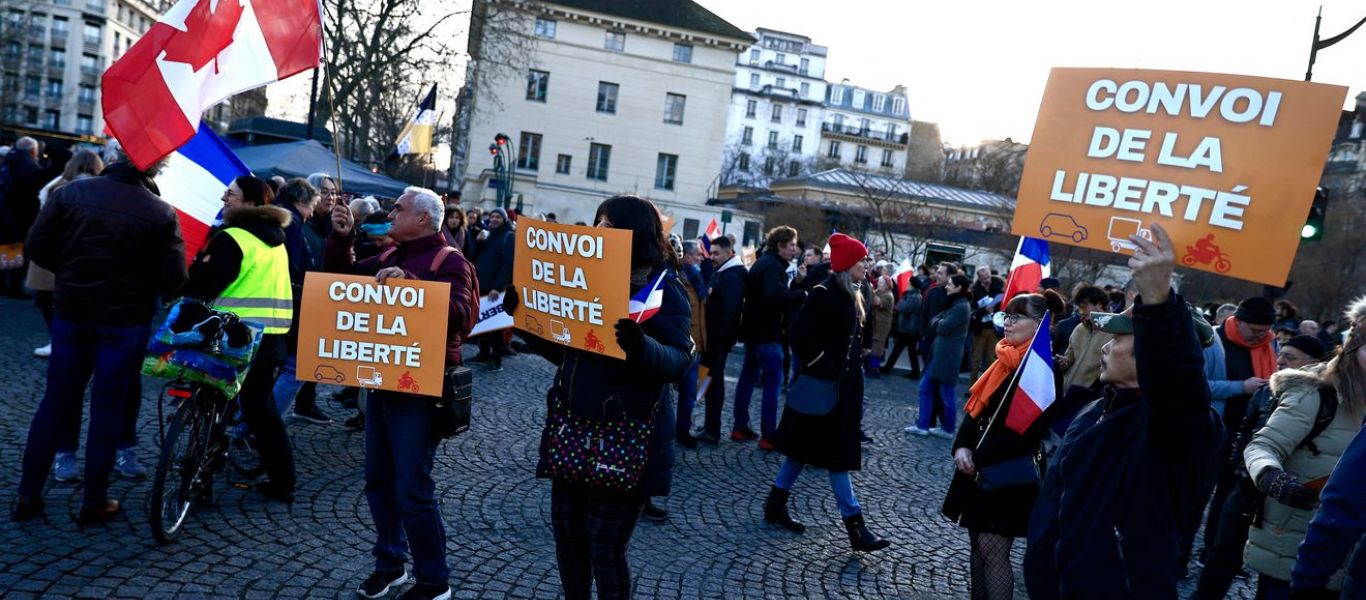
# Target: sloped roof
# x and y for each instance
(854, 181)
(683, 14)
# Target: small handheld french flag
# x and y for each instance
(645, 303)
(1036, 390)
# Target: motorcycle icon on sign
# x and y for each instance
(1120, 230)
(1064, 226)
(1204, 252)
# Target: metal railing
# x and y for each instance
(864, 133)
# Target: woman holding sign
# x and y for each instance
(822, 421)
(595, 510)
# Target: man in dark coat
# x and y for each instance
(725, 301)
(987, 293)
(494, 248)
(114, 247)
(768, 296)
(1127, 478)
(21, 177)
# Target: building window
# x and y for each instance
(879, 102)
(806, 66)
(673, 108)
(864, 125)
(805, 89)
(52, 119)
(837, 95)
(754, 57)
(747, 136)
(599, 157)
(861, 154)
(796, 143)
(537, 84)
(751, 107)
(858, 98)
(768, 166)
(782, 82)
(545, 28)
(801, 116)
(607, 97)
(743, 163)
(777, 115)
(886, 157)
(690, 227)
(834, 150)
(13, 49)
(898, 105)
(87, 93)
(54, 88)
(30, 115)
(84, 125)
(615, 41)
(529, 152)
(33, 85)
(58, 59)
(59, 27)
(782, 58)
(793, 168)
(838, 121)
(92, 34)
(665, 168)
(682, 53)
(754, 80)
(562, 164)
(772, 140)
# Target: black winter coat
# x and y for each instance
(725, 302)
(1128, 477)
(826, 336)
(114, 246)
(19, 206)
(768, 296)
(493, 259)
(601, 387)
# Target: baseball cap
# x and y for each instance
(1123, 324)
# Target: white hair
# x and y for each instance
(26, 144)
(316, 179)
(429, 202)
(114, 152)
(364, 207)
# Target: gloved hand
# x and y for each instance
(510, 300)
(630, 336)
(1286, 489)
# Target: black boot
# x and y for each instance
(860, 538)
(775, 511)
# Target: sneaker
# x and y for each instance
(913, 430)
(654, 513)
(494, 367)
(44, 351)
(707, 438)
(126, 463)
(863, 437)
(64, 467)
(378, 583)
(939, 432)
(356, 423)
(764, 444)
(310, 414)
(427, 591)
(743, 434)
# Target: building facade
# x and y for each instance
(993, 165)
(867, 130)
(1344, 174)
(607, 98)
(774, 124)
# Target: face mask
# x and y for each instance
(376, 228)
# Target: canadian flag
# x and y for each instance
(198, 54)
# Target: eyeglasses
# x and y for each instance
(1011, 319)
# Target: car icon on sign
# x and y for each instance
(1061, 225)
(328, 373)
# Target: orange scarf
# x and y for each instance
(1008, 358)
(1263, 357)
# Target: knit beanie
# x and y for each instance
(1308, 344)
(1256, 310)
(845, 251)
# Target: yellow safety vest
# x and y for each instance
(261, 293)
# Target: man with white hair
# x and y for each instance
(399, 444)
(21, 177)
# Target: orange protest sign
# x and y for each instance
(574, 283)
(1227, 164)
(359, 333)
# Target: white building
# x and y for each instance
(866, 129)
(52, 54)
(774, 125)
(609, 98)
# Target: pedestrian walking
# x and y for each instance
(724, 306)
(907, 331)
(950, 329)
(768, 296)
(493, 265)
(827, 338)
(996, 513)
(400, 440)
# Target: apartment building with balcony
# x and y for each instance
(865, 129)
(774, 124)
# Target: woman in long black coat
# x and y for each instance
(995, 518)
(827, 339)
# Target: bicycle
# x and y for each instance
(205, 432)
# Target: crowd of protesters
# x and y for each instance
(1242, 418)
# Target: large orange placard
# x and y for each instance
(573, 283)
(1227, 164)
(359, 333)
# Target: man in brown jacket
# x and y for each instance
(691, 278)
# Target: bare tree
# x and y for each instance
(755, 166)
(499, 43)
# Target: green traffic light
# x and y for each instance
(1308, 231)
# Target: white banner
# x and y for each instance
(491, 316)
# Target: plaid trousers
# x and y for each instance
(592, 530)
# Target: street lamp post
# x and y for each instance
(1321, 44)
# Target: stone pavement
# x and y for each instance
(497, 514)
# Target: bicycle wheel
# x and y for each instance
(242, 451)
(176, 483)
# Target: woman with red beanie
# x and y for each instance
(823, 414)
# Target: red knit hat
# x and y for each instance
(845, 251)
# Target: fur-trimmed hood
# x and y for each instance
(1356, 310)
(265, 222)
(1286, 380)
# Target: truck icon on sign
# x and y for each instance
(1120, 230)
(369, 377)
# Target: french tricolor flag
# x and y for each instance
(904, 272)
(193, 182)
(647, 301)
(1037, 389)
(1031, 265)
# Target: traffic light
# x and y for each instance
(1313, 226)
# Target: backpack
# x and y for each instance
(1258, 414)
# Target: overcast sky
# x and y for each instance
(978, 67)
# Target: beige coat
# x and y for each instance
(885, 300)
(1083, 356)
(1271, 547)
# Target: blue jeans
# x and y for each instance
(769, 358)
(399, 452)
(110, 359)
(928, 387)
(286, 386)
(687, 398)
(840, 483)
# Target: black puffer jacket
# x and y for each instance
(114, 245)
(493, 259)
(768, 297)
(19, 205)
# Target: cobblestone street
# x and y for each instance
(714, 544)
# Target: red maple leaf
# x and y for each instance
(206, 34)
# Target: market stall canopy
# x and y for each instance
(303, 158)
